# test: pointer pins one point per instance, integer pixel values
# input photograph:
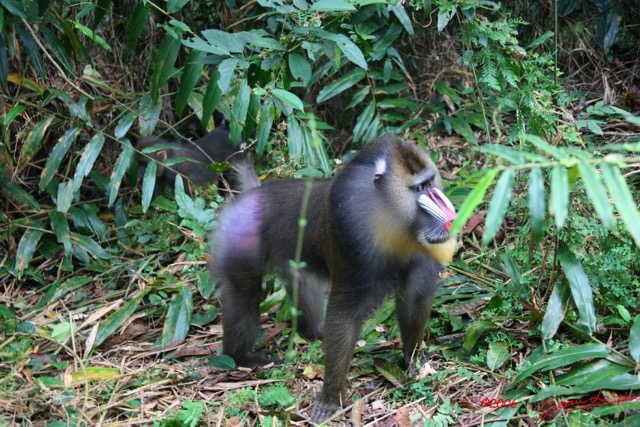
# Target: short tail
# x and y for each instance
(243, 176)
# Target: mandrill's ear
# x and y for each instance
(438, 205)
(381, 168)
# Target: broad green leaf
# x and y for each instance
(19, 195)
(93, 36)
(554, 313)
(538, 41)
(99, 12)
(60, 289)
(226, 70)
(507, 153)
(559, 205)
(163, 65)
(120, 168)
(390, 371)
(211, 98)
(91, 246)
(473, 200)
(404, 19)
(148, 114)
(222, 361)
(62, 331)
(580, 288)
(239, 111)
(300, 68)
(175, 5)
(343, 83)
(545, 146)
(474, 332)
(124, 124)
(634, 339)
(188, 79)
(462, 128)
(348, 48)
(33, 141)
(89, 155)
(57, 155)
(118, 318)
(294, 135)
(65, 196)
(623, 199)
(536, 202)
(332, 6)
(444, 16)
(597, 193)
(136, 26)
(364, 122)
(224, 41)
(94, 373)
(14, 112)
(563, 357)
(497, 355)
(288, 98)
(15, 7)
(265, 121)
(27, 247)
(498, 205)
(60, 227)
(178, 320)
(148, 185)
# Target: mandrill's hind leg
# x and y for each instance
(414, 298)
(241, 296)
(310, 303)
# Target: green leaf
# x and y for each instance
(265, 121)
(223, 362)
(623, 199)
(211, 98)
(91, 246)
(536, 202)
(89, 155)
(188, 79)
(498, 205)
(404, 19)
(580, 288)
(332, 6)
(27, 247)
(343, 83)
(348, 48)
(555, 311)
(148, 184)
(18, 194)
(300, 68)
(559, 195)
(390, 371)
(462, 128)
(57, 155)
(507, 153)
(120, 168)
(634, 339)
(118, 317)
(33, 141)
(163, 65)
(136, 25)
(14, 112)
(563, 357)
(178, 320)
(364, 122)
(473, 200)
(226, 70)
(239, 111)
(545, 146)
(543, 38)
(597, 193)
(497, 355)
(175, 5)
(288, 98)
(148, 114)
(124, 124)
(60, 227)
(62, 331)
(15, 7)
(474, 332)
(65, 196)
(93, 36)
(100, 11)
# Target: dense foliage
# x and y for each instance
(540, 302)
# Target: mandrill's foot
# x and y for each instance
(322, 411)
(252, 360)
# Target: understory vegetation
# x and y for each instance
(108, 315)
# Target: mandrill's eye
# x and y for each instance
(419, 188)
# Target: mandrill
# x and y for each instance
(380, 226)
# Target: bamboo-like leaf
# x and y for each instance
(239, 111)
(507, 153)
(462, 128)
(554, 313)
(211, 98)
(148, 185)
(563, 357)
(94, 373)
(333, 6)
(559, 195)
(294, 136)
(497, 355)
(117, 318)
(188, 79)
(536, 202)
(89, 155)
(363, 123)
(390, 371)
(93, 36)
(124, 124)
(597, 193)
(60, 227)
(27, 247)
(634, 339)
(498, 205)
(300, 68)
(148, 114)
(163, 64)
(623, 199)
(120, 168)
(65, 196)
(474, 332)
(473, 200)
(264, 126)
(178, 320)
(57, 154)
(226, 70)
(580, 288)
(403, 17)
(546, 147)
(18, 194)
(136, 26)
(91, 246)
(33, 141)
(175, 5)
(99, 12)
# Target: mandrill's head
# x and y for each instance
(420, 215)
